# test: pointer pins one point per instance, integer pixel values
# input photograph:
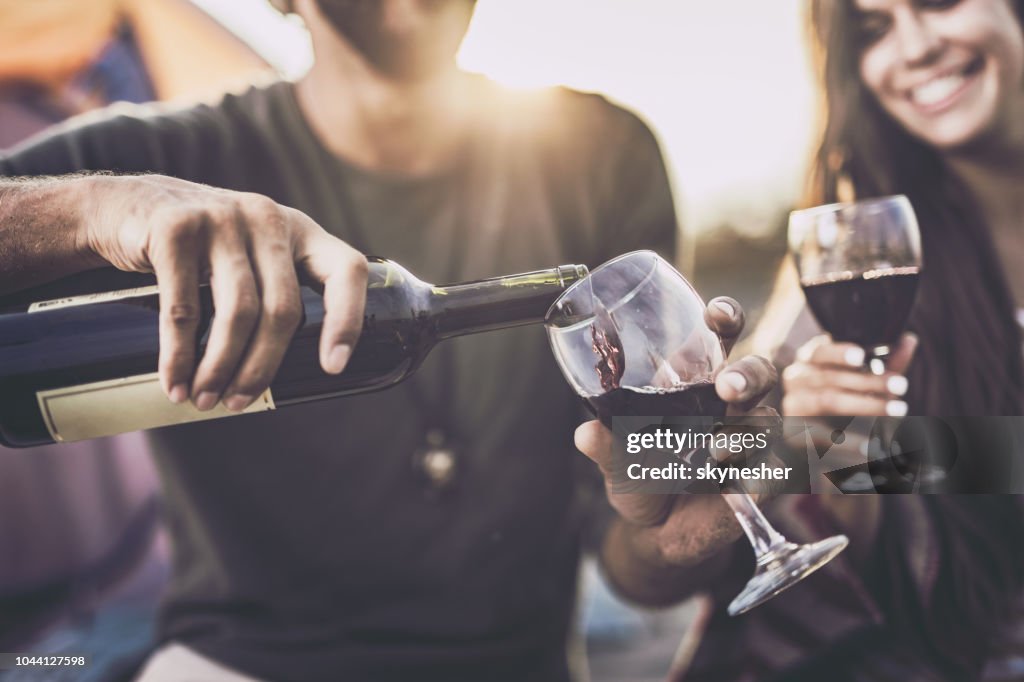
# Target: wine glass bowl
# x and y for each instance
(859, 265)
(636, 306)
(632, 339)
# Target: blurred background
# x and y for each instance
(725, 85)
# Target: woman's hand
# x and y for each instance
(828, 379)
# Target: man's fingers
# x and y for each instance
(252, 248)
(236, 303)
(280, 314)
(725, 317)
(767, 418)
(745, 382)
(177, 273)
(342, 271)
(696, 527)
(596, 442)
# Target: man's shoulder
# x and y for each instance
(563, 113)
(598, 109)
(224, 108)
(145, 137)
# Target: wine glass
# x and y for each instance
(632, 340)
(859, 264)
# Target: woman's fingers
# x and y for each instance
(901, 357)
(821, 350)
(829, 379)
(833, 401)
(806, 377)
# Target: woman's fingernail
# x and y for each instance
(726, 308)
(736, 381)
(178, 394)
(896, 408)
(206, 400)
(805, 353)
(855, 357)
(237, 403)
(897, 385)
(338, 358)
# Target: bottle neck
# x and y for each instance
(499, 302)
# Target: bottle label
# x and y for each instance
(84, 299)
(106, 408)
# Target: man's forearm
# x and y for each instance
(42, 230)
(630, 561)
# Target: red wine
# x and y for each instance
(608, 348)
(869, 310)
(86, 366)
(687, 400)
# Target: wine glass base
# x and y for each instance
(784, 568)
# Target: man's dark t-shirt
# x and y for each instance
(308, 545)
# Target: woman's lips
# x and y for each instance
(939, 93)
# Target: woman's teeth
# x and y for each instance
(937, 89)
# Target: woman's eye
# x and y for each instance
(872, 27)
(937, 4)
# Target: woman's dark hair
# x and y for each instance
(969, 361)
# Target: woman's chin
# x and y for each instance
(956, 136)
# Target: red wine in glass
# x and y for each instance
(698, 399)
(859, 265)
(869, 310)
(685, 400)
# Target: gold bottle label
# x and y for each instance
(85, 299)
(106, 408)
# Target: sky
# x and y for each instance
(724, 83)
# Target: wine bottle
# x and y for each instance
(86, 366)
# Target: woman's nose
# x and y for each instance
(918, 41)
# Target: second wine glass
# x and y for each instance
(859, 264)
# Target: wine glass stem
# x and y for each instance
(764, 539)
(876, 358)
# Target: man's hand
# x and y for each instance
(666, 531)
(254, 252)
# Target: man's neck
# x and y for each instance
(380, 123)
